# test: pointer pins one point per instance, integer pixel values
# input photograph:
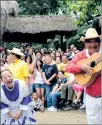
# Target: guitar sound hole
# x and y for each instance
(83, 74)
(92, 64)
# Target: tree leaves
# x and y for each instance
(38, 7)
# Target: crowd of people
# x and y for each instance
(48, 76)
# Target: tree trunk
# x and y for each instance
(3, 21)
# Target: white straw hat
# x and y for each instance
(91, 33)
(16, 51)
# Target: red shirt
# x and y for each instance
(95, 88)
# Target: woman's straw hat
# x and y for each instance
(91, 33)
(16, 51)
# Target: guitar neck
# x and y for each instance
(98, 60)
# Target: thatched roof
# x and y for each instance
(39, 24)
(35, 25)
(97, 24)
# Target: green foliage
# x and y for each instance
(9, 45)
(75, 38)
(38, 7)
(82, 10)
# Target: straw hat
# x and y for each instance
(16, 51)
(91, 33)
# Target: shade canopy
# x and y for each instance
(37, 28)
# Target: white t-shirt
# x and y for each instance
(38, 78)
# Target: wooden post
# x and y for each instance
(61, 42)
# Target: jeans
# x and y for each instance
(32, 89)
(52, 100)
(36, 85)
(48, 89)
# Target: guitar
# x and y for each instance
(95, 62)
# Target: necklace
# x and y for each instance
(12, 87)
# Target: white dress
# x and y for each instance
(14, 100)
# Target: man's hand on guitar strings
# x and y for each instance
(87, 69)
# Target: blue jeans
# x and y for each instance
(48, 89)
(52, 100)
(32, 89)
(36, 85)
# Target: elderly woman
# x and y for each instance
(15, 101)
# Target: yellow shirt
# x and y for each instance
(62, 67)
(19, 69)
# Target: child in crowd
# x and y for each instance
(36, 103)
(78, 89)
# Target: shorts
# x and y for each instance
(77, 87)
(36, 85)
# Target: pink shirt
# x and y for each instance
(95, 88)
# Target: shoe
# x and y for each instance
(83, 106)
(74, 106)
(49, 109)
(68, 102)
(67, 108)
(53, 109)
(62, 102)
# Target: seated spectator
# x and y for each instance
(67, 93)
(56, 92)
(78, 89)
(36, 103)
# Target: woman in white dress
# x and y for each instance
(15, 100)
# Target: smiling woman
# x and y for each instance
(15, 101)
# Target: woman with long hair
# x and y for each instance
(38, 81)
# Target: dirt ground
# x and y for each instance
(61, 117)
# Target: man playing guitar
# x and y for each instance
(93, 92)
